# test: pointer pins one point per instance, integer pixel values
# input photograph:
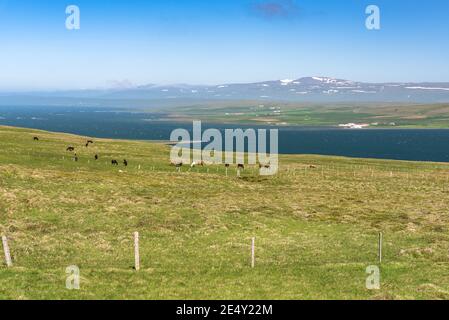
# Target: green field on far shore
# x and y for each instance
(376, 115)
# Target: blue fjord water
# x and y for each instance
(409, 144)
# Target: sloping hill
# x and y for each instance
(316, 229)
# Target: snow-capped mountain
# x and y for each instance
(308, 89)
(303, 89)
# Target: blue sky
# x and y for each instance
(210, 42)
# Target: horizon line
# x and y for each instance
(174, 84)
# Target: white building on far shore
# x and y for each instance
(354, 125)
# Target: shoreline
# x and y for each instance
(169, 143)
(292, 126)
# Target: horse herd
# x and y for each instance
(96, 157)
(227, 165)
(178, 165)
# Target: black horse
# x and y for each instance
(114, 162)
(125, 163)
(36, 139)
(71, 149)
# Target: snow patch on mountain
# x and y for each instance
(426, 88)
(286, 82)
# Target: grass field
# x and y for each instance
(316, 229)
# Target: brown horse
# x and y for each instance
(266, 166)
(176, 164)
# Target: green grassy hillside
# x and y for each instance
(316, 229)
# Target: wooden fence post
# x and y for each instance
(136, 251)
(7, 252)
(253, 252)
(380, 246)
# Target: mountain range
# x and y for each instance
(307, 89)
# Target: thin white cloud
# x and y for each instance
(276, 9)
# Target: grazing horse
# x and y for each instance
(241, 166)
(114, 162)
(312, 166)
(71, 149)
(36, 139)
(125, 163)
(90, 141)
(176, 164)
(96, 157)
(266, 166)
(199, 163)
